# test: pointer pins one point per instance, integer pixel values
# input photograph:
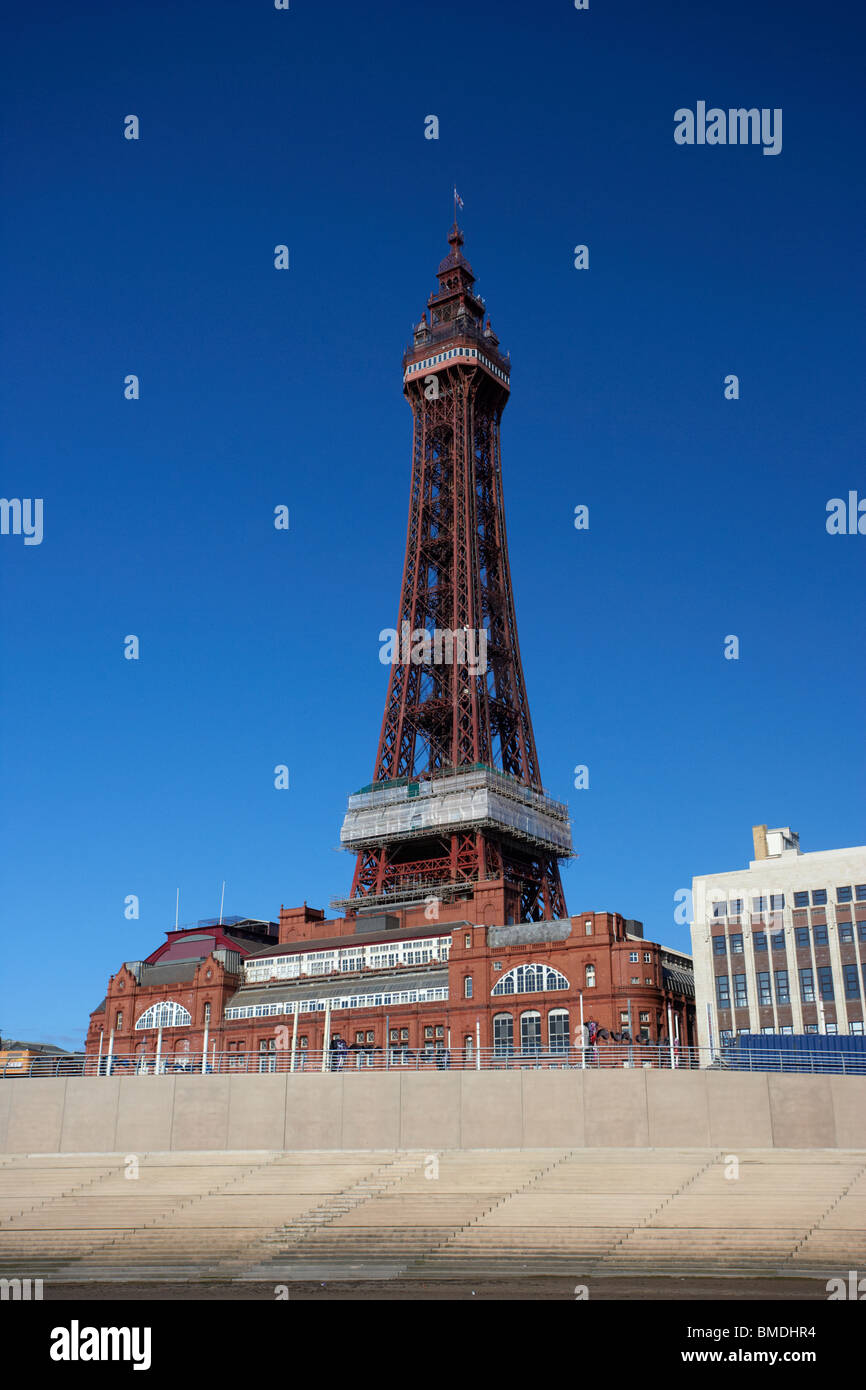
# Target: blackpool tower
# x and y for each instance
(456, 808)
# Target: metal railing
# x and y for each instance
(604, 1056)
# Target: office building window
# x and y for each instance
(860, 892)
(759, 904)
(788, 1028)
(801, 899)
(720, 909)
(737, 944)
(723, 997)
(718, 945)
(856, 1027)
(852, 984)
(825, 982)
(735, 907)
(764, 995)
(861, 931)
(771, 1029)
(801, 936)
(741, 999)
(821, 937)
(726, 1036)
(807, 986)
(832, 1028)
(811, 1028)
(633, 956)
(843, 895)
(783, 995)
(846, 932)
(777, 941)
(759, 941)
(647, 955)
(819, 897)
(777, 902)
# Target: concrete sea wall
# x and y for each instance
(441, 1110)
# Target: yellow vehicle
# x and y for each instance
(14, 1063)
(34, 1059)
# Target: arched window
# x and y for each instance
(530, 1031)
(530, 979)
(557, 1030)
(165, 1014)
(503, 1034)
(590, 977)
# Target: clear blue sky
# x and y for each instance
(259, 387)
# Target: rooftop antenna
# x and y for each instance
(222, 900)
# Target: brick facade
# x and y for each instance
(600, 954)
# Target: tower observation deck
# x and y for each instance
(456, 800)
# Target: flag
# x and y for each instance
(458, 200)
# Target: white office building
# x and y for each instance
(780, 947)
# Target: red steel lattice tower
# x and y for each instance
(456, 798)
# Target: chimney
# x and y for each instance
(759, 836)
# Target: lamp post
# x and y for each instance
(582, 1034)
(327, 1037)
(294, 1037)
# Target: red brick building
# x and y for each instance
(408, 978)
(197, 969)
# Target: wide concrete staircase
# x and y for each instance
(275, 1217)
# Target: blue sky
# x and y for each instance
(259, 387)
